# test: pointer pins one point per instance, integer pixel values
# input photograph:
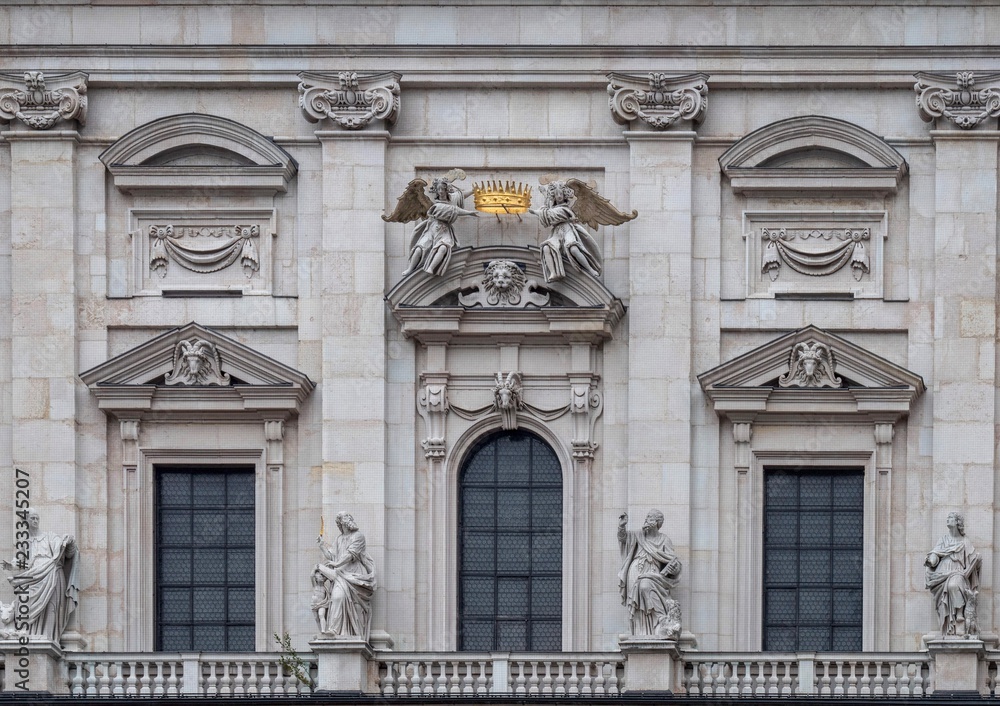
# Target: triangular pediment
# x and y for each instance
(138, 378)
(459, 302)
(858, 380)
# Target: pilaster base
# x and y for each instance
(651, 665)
(958, 666)
(35, 666)
(345, 666)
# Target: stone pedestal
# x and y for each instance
(345, 666)
(34, 667)
(958, 666)
(651, 666)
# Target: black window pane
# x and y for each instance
(546, 635)
(512, 508)
(208, 489)
(512, 635)
(510, 555)
(512, 597)
(204, 593)
(477, 552)
(546, 509)
(477, 508)
(813, 559)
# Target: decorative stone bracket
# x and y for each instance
(657, 99)
(432, 406)
(965, 98)
(586, 405)
(349, 99)
(40, 102)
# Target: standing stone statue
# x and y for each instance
(650, 568)
(343, 585)
(46, 585)
(953, 569)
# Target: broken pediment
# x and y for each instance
(502, 290)
(193, 368)
(811, 370)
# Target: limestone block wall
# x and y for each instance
(533, 105)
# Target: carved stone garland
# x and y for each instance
(225, 245)
(351, 100)
(504, 286)
(657, 99)
(40, 103)
(963, 98)
(197, 362)
(811, 365)
(780, 245)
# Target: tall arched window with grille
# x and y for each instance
(510, 545)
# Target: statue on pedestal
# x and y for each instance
(650, 568)
(953, 570)
(45, 590)
(343, 585)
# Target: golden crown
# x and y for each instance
(498, 197)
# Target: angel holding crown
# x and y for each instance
(434, 210)
(568, 206)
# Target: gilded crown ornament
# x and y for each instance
(502, 197)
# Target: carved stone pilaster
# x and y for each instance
(586, 405)
(742, 433)
(657, 99)
(40, 101)
(349, 99)
(884, 433)
(965, 98)
(433, 406)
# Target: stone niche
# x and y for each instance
(197, 205)
(809, 212)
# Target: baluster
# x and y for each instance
(573, 680)
(520, 687)
(852, 677)
(534, 679)
(546, 686)
(758, 682)
(838, 681)
(226, 682)
(385, 684)
(890, 686)
(733, 682)
(117, 683)
(904, 681)
(142, 686)
(454, 678)
(427, 678)
(90, 681)
(266, 681)
(824, 682)
(787, 685)
(76, 682)
(865, 685)
(170, 686)
(559, 683)
(615, 686)
(212, 683)
(482, 679)
(597, 684)
(408, 673)
(918, 679)
(772, 678)
(104, 686)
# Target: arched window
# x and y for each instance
(510, 545)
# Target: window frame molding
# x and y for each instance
(575, 586)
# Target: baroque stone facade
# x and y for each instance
(757, 249)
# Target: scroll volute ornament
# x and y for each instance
(40, 101)
(965, 98)
(349, 99)
(657, 99)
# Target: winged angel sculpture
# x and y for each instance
(568, 206)
(434, 210)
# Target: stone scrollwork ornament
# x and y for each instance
(197, 362)
(811, 365)
(504, 285)
(965, 98)
(40, 101)
(569, 207)
(351, 100)
(657, 99)
(435, 213)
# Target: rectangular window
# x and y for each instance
(205, 560)
(813, 559)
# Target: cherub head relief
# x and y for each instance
(810, 365)
(197, 362)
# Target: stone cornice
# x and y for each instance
(40, 101)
